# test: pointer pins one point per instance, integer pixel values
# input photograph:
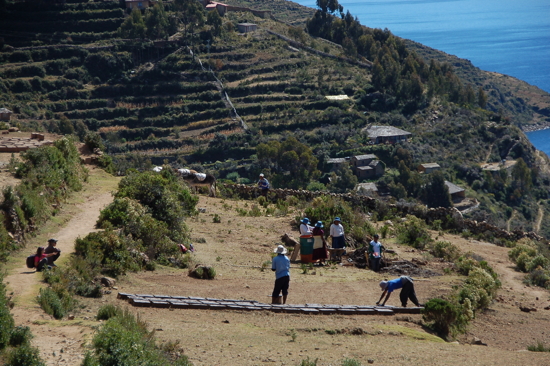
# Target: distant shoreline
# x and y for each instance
(536, 128)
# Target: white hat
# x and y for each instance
(261, 175)
(383, 284)
(280, 250)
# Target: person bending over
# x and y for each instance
(405, 283)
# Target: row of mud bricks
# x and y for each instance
(427, 214)
(187, 302)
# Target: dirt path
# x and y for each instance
(540, 216)
(59, 341)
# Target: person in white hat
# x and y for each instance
(281, 266)
(405, 283)
(263, 184)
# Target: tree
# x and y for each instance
(214, 19)
(133, 26)
(191, 13)
(157, 22)
(342, 179)
(481, 97)
(436, 192)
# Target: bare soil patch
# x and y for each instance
(238, 246)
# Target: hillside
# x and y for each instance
(219, 100)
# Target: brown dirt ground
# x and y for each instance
(237, 247)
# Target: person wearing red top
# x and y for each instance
(41, 259)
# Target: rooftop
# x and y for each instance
(365, 157)
(337, 97)
(430, 165)
(366, 187)
(5, 110)
(386, 131)
(453, 188)
(336, 160)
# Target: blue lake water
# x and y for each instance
(541, 140)
(511, 37)
(506, 36)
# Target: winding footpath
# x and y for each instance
(59, 341)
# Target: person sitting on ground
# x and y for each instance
(263, 184)
(375, 253)
(51, 248)
(305, 228)
(405, 283)
(320, 254)
(41, 259)
(281, 266)
(337, 234)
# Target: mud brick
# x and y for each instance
(179, 305)
(235, 307)
(313, 306)
(142, 295)
(382, 311)
(310, 311)
(196, 298)
(292, 310)
(244, 303)
(123, 295)
(331, 306)
(347, 311)
(160, 304)
(162, 296)
(139, 302)
(217, 307)
(363, 311)
(232, 300)
(180, 297)
(327, 311)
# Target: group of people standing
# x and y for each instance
(281, 263)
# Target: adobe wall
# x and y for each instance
(403, 209)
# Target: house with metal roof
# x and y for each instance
(455, 191)
(387, 134)
(428, 167)
(5, 114)
(367, 189)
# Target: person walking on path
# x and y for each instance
(405, 283)
(281, 266)
(320, 254)
(41, 259)
(375, 253)
(305, 228)
(337, 234)
(263, 184)
(52, 249)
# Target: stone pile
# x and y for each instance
(188, 302)
(19, 144)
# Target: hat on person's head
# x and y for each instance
(261, 175)
(376, 235)
(52, 240)
(383, 284)
(319, 224)
(337, 219)
(280, 250)
(305, 220)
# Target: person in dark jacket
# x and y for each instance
(52, 249)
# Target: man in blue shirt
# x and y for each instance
(375, 253)
(281, 266)
(263, 184)
(406, 284)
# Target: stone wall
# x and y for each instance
(457, 222)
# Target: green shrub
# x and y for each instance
(539, 277)
(50, 302)
(350, 362)
(445, 250)
(125, 340)
(444, 317)
(480, 288)
(20, 335)
(308, 362)
(108, 311)
(539, 347)
(25, 355)
(413, 232)
(6, 319)
(538, 261)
